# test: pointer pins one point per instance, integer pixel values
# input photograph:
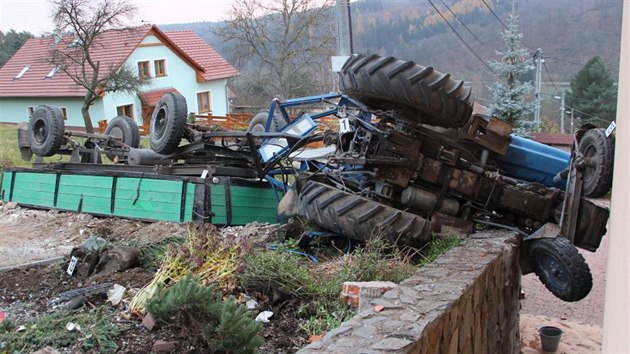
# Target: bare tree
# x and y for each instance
(282, 47)
(85, 21)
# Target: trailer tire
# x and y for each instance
(45, 130)
(409, 90)
(126, 129)
(561, 268)
(257, 124)
(596, 146)
(168, 122)
(360, 218)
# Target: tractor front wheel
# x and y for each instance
(561, 268)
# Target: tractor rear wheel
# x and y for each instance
(561, 268)
(168, 122)
(599, 150)
(361, 218)
(409, 90)
(45, 130)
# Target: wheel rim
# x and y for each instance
(554, 271)
(116, 133)
(40, 131)
(159, 123)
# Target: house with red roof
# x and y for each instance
(174, 61)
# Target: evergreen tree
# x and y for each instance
(594, 93)
(508, 92)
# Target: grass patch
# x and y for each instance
(96, 333)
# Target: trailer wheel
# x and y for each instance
(360, 218)
(126, 129)
(168, 122)
(259, 121)
(597, 148)
(410, 90)
(561, 268)
(45, 130)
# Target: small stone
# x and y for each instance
(162, 346)
(148, 322)
(10, 206)
(391, 344)
(251, 304)
(410, 316)
(378, 308)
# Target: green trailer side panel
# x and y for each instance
(35, 188)
(247, 204)
(92, 194)
(148, 198)
(5, 192)
(218, 205)
(190, 202)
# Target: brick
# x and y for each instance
(359, 294)
(162, 346)
(148, 322)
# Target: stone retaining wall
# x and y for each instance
(465, 302)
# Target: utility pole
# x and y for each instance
(562, 114)
(572, 131)
(344, 28)
(538, 59)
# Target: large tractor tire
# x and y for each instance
(360, 218)
(45, 130)
(125, 129)
(258, 123)
(561, 268)
(599, 149)
(410, 90)
(168, 122)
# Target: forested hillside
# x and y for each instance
(569, 33)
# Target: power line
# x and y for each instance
(463, 24)
(463, 42)
(550, 78)
(495, 15)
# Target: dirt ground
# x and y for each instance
(33, 236)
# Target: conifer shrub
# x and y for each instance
(200, 314)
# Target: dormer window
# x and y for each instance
(75, 43)
(21, 73)
(52, 72)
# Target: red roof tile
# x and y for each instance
(215, 67)
(151, 98)
(112, 49)
(553, 138)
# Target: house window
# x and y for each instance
(160, 67)
(21, 73)
(144, 70)
(52, 72)
(126, 110)
(204, 100)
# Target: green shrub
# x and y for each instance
(200, 314)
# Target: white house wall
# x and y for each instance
(179, 75)
(15, 110)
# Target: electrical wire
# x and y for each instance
(463, 24)
(462, 41)
(551, 79)
(495, 15)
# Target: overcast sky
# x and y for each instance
(35, 15)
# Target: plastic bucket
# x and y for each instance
(550, 338)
